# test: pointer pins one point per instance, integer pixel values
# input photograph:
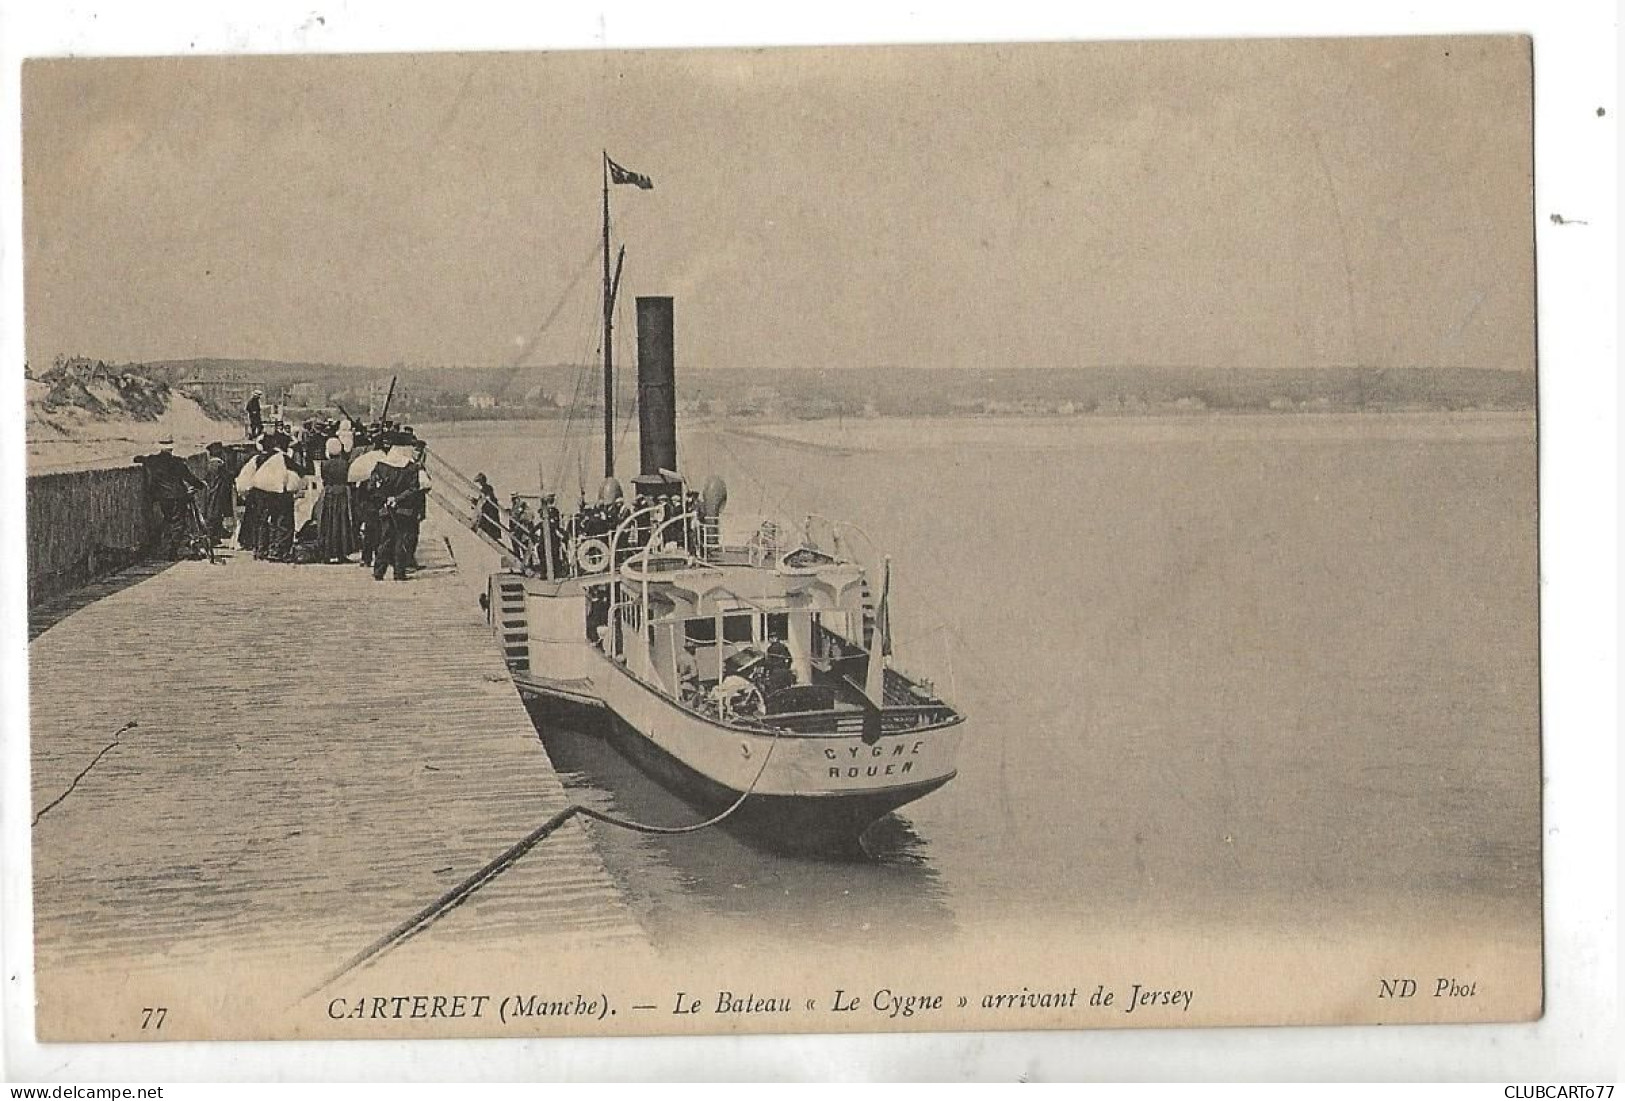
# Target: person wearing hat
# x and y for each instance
(170, 483)
(256, 419)
(400, 487)
(488, 519)
(522, 534)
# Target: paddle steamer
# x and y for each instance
(745, 663)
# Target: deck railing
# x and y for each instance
(893, 720)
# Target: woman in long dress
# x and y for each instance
(335, 524)
(218, 477)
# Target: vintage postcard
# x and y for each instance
(792, 540)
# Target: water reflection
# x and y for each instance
(714, 884)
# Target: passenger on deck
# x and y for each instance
(688, 674)
(779, 673)
(692, 523)
(522, 536)
(488, 513)
(638, 533)
(597, 611)
(560, 539)
(594, 521)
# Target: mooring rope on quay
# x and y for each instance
(462, 892)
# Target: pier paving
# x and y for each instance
(315, 757)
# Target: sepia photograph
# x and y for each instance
(791, 540)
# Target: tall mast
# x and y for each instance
(609, 353)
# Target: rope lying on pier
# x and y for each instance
(461, 893)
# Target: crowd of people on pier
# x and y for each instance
(367, 485)
(368, 489)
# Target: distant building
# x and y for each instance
(480, 399)
(222, 393)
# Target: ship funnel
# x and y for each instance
(657, 389)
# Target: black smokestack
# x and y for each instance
(657, 387)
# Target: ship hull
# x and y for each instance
(805, 825)
(827, 823)
(812, 790)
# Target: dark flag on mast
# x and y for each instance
(620, 175)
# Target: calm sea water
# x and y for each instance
(1260, 670)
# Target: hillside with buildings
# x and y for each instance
(434, 393)
(85, 412)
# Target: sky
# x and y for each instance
(1267, 203)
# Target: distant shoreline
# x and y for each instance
(746, 426)
(56, 454)
(566, 391)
